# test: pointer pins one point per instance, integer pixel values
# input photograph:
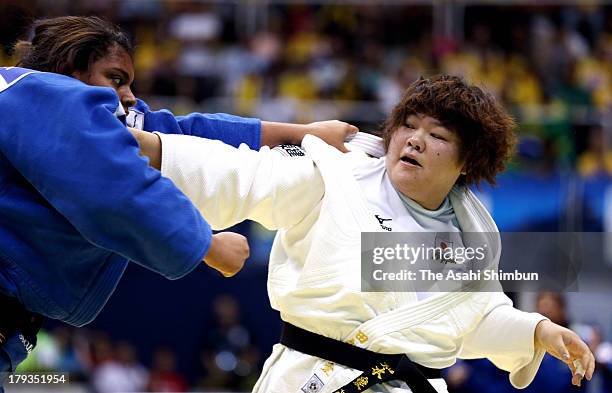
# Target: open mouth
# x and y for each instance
(410, 160)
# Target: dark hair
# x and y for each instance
(484, 128)
(70, 43)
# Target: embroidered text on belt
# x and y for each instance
(376, 367)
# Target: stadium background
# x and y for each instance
(550, 62)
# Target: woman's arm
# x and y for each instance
(88, 170)
(150, 146)
(235, 130)
(566, 346)
(230, 185)
(228, 251)
(333, 132)
(230, 129)
(516, 341)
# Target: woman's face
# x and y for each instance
(423, 160)
(114, 70)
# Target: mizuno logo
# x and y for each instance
(381, 221)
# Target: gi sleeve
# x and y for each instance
(230, 185)
(505, 336)
(230, 129)
(84, 163)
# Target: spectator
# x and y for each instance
(596, 160)
(229, 356)
(163, 376)
(120, 371)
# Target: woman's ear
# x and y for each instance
(80, 75)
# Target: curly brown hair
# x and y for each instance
(485, 129)
(70, 43)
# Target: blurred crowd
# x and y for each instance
(228, 358)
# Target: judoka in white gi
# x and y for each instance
(321, 201)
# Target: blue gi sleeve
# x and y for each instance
(230, 129)
(68, 144)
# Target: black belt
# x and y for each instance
(14, 317)
(376, 367)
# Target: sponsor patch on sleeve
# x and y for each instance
(290, 150)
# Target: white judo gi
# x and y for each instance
(314, 273)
